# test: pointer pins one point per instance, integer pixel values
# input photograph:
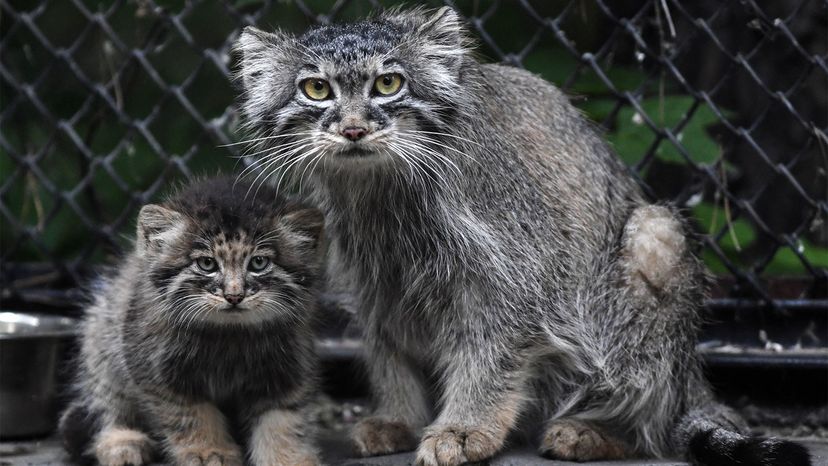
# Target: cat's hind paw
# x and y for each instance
(573, 440)
(378, 436)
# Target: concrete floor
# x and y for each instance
(49, 452)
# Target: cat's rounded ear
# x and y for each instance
(445, 37)
(157, 226)
(253, 41)
(303, 227)
(266, 69)
(445, 28)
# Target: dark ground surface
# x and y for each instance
(335, 446)
(808, 425)
(782, 400)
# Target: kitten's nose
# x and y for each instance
(354, 133)
(234, 298)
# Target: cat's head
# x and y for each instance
(217, 253)
(379, 91)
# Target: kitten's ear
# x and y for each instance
(304, 227)
(156, 226)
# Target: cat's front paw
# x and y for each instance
(573, 440)
(379, 436)
(453, 445)
(209, 455)
(121, 447)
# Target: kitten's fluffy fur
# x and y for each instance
(493, 240)
(164, 347)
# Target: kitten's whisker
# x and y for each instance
(187, 304)
(197, 314)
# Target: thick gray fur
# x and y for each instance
(164, 356)
(493, 242)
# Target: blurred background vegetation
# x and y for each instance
(105, 105)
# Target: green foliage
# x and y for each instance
(632, 136)
(786, 262)
(739, 236)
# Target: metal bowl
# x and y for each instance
(32, 350)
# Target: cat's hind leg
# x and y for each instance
(642, 311)
(654, 252)
(402, 407)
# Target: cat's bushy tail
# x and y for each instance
(711, 436)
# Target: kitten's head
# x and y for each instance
(378, 91)
(214, 254)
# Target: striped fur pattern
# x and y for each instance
(493, 242)
(182, 356)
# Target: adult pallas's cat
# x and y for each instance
(493, 240)
(208, 318)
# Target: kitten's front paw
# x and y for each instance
(121, 447)
(572, 440)
(453, 445)
(209, 455)
(378, 436)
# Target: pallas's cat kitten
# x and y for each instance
(493, 240)
(213, 309)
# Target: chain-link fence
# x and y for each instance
(719, 106)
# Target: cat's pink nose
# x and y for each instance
(354, 133)
(234, 298)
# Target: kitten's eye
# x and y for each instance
(388, 84)
(207, 264)
(316, 89)
(258, 263)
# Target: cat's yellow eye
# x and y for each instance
(258, 263)
(207, 264)
(388, 84)
(316, 89)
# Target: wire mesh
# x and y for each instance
(720, 107)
